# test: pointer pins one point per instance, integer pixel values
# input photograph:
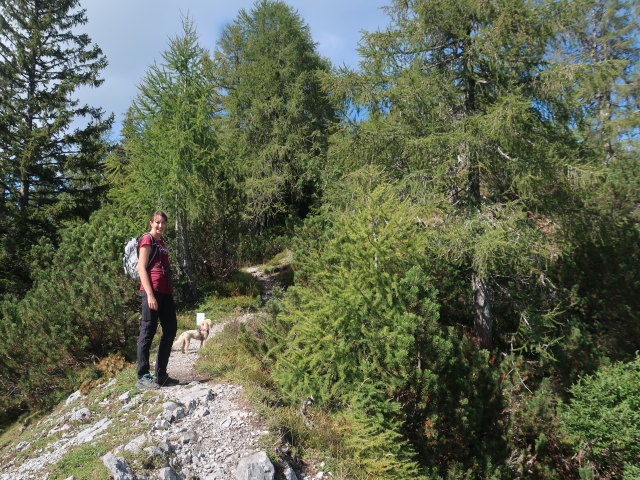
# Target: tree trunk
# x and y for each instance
(186, 257)
(479, 286)
(482, 310)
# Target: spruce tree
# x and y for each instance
(50, 145)
(277, 113)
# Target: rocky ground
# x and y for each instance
(198, 430)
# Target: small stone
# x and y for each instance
(168, 474)
(154, 452)
(189, 437)
(21, 446)
(202, 412)
(81, 415)
(73, 397)
(135, 445)
(124, 397)
(289, 473)
(255, 467)
(170, 406)
(166, 447)
(162, 425)
(118, 467)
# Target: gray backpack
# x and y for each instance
(130, 258)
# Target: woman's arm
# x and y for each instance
(145, 279)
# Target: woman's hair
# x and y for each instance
(158, 213)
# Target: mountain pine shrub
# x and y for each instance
(81, 307)
(603, 419)
(361, 330)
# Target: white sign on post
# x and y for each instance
(199, 318)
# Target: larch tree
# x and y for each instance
(595, 74)
(277, 115)
(454, 104)
(51, 145)
(598, 48)
(168, 155)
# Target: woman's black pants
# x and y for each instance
(166, 314)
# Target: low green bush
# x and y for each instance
(603, 419)
(81, 307)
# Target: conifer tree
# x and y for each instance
(595, 78)
(599, 49)
(49, 166)
(168, 156)
(277, 113)
(454, 105)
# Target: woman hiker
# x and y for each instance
(157, 304)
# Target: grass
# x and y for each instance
(83, 462)
(280, 262)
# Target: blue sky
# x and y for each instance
(134, 33)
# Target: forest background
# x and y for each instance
(462, 211)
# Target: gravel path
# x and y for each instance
(198, 430)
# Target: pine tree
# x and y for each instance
(49, 166)
(277, 113)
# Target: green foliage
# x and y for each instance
(457, 111)
(169, 158)
(603, 418)
(361, 329)
(81, 306)
(373, 452)
(51, 147)
(363, 300)
(230, 356)
(277, 114)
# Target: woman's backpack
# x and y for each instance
(130, 258)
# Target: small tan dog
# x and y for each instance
(201, 334)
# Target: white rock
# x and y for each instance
(255, 467)
(21, 446)
(92, 432)
(73, 397)
(135, 445)
(162, 425)
(81, 415)
(118, 467)
(168, 474)
(289, 473)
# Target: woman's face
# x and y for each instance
(158, 225)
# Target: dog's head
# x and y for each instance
(205, 326)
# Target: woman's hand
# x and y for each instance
(152, 302)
